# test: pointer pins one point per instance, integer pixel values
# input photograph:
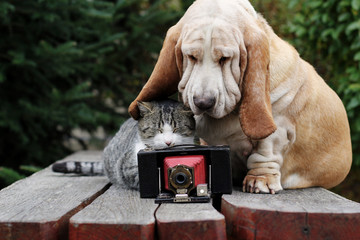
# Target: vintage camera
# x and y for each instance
(185, 173)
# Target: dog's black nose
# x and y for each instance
(204, 103)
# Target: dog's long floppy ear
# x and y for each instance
(165, 77)
(255, 109)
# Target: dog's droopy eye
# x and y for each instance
(222, 60)
(192, 58)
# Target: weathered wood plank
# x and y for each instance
(190, 221)
(39, 207)
(313, 213)
(117, 214)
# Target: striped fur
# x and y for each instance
(162, 124)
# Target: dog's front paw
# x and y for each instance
(262, 184)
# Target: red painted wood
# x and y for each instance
(116, 214)
(294, 214)
(245, 223)
(192, 230)
(189, 221)
(334, 226)
(45, 230)
(40, 206)
(111, 231)
(42, 228)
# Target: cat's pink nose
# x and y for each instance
(168, 143)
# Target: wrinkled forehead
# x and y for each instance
(215, 33)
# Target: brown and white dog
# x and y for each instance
(250, 89)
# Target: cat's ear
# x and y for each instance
(144, 107)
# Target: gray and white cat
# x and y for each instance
(161, 124)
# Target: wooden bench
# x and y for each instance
(50, 205)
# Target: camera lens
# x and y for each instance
(180, 178)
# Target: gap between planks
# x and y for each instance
(121, 213)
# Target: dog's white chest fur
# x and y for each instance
(225, 131)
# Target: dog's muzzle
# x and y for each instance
(204, 103)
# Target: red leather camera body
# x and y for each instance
(184, 172)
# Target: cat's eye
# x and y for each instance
(175, 130)
(144, 130)
(160, 130)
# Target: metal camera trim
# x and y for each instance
(151, 177)
(189, 184)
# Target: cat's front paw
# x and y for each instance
(262, 184)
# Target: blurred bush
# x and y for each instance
(69, 64)
(277, 14)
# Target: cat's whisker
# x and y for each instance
(162, 124)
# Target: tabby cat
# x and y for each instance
(162, 124)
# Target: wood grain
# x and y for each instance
(190, 221)
(117, 214)
(313, 213)
(39, 207)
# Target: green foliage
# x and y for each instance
(46, 72)
(276, 12)
(69, 64)
(29, 169)
(327, 33)
(8, 176)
